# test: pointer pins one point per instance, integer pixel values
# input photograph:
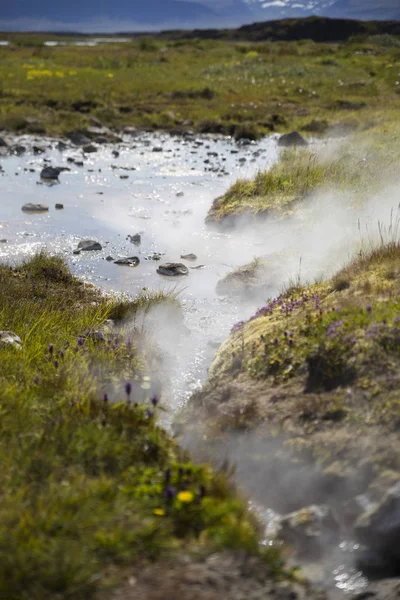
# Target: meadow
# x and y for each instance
(245, 89)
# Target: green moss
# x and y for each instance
(90, 482)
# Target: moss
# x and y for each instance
(90, 483)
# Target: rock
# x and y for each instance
(51, 173)
(379, 531)
(386, 589)
(78, 138)
(157, 149)
(173, 269)
(115, 153)
(155, 256)
(109, 258)
(179, 194)
(135, 239)
(3, 143)
(30, 207)
(133, 261)
(189, 256)
(3, 241)
(8, 338)
(61, 146)
(89, 148)
(130, 131)
(292, 139)
(38, 150)
(18, 150)
(310, 530)
(89, 245)
(59, 206)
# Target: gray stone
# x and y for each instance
(35, 208)
(379, 531)
(133, 261)
(89, 149)
(89, 245)
(310, 530)
(3, 143)
(18, 150)
(173, 269)
(78, 138)
(8, 338)
(50, 173)
(135, 239)
(59, 206)
(190, 256)
(292, 139)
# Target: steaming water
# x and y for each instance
(164, 196)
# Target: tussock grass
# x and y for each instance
(89, 482)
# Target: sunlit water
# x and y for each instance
(164, 196)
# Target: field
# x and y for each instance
(241, 88)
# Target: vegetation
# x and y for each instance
(358, 167)
(241, 88)
(90, 484)
(318, 366)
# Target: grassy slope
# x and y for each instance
(218, 85)
(83, 479)
(358, 167)
(319, 367)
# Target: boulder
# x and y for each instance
(18, 150)
(136, 239)
(3, 143)
(173, 269)
(35, 208)
(311, 530)
(133, 261)
(292, 139)
(8, 338)
(379, 531)
(89, 245)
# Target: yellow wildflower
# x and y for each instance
(185, 497)
(59, 74)
(110, 75)
(72, 73)
(159, 512)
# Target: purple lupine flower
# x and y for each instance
(105, 398)
(128, 389)
(170, 492)
(154, 401)
(56, 364)
(51, 348)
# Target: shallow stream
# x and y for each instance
(161, 187)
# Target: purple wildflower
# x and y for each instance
(56, 364)
(128, 389)
(51, 348)
(105, 398)
(154, 401)
(170, 492)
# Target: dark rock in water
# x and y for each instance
(292, 139)
(78, 138)
(155, 256)
(38, 150)
(310, 530)
(189, 256)
(173, 269)
(89, 149)
(8, 338)
(109, 258)
(135, 239)
(3, 241)
(51, 173)
(59, 206)
(79, 163)
(30, 207)
(115, 153)
(61, 146)
(198, 267)
(88, 245)
(76, 251)
(157, 149)
(133, 261)
(18, 150)
(379, 531)
(3, 143)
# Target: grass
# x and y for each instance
(318, 367)
(358, 167)
(238, 88)
(89, 483)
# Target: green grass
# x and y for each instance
(359, 167)
(218, 86)
(83, 476)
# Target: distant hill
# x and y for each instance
(345, 9)
(319, 29)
